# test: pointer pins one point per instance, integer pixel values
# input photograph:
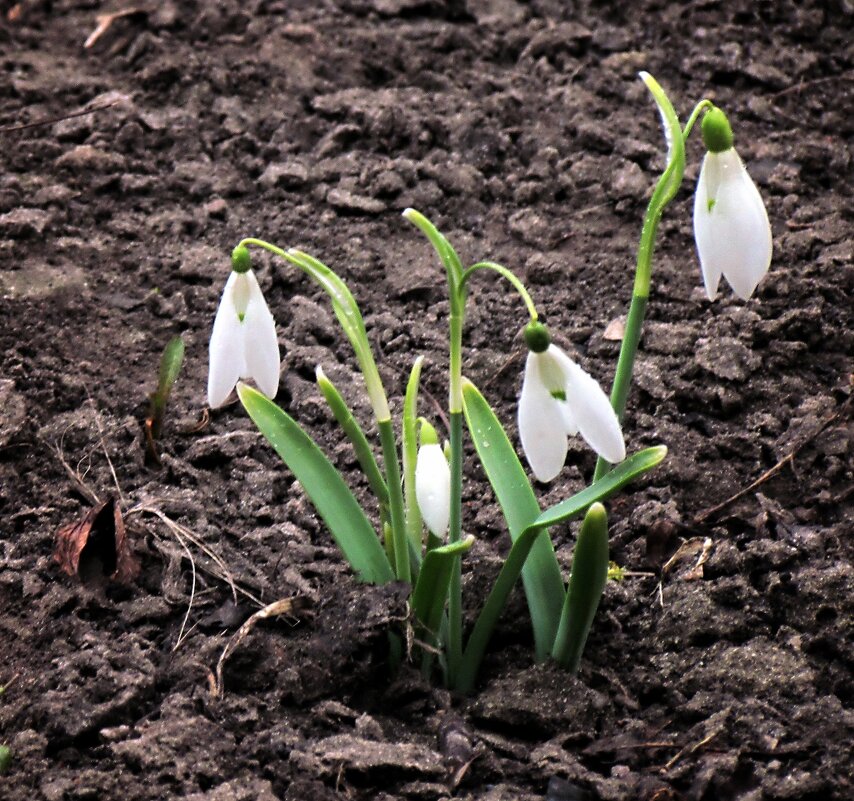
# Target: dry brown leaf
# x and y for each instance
(96, 544)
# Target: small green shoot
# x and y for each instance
(170, 366)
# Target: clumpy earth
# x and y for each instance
(719, 668)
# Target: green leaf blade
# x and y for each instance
(170, 366)
(361, 447)
(494, 606)
(586, 585)
(541, 576)
(431, 589)
(409, 448)
(347, 311)
(633, 467)
(447, 255)
(332, 498)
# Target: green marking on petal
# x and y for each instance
(559, 394)
(240, 316)
(711, 204)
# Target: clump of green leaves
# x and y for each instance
(387, 541)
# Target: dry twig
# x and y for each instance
(105, 21)
(690, 749)
(178, 531)
(53, 120)
(789, 458)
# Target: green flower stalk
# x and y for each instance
(664, 192)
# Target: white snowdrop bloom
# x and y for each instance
(433, 482)
(559, 400)
(731, 226)
(243, 340)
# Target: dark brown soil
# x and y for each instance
(522, 130)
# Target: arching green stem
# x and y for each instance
(457, 290)
(347, 311)
(665, 190)
(504, 273)
(702, 106)
(453, 270)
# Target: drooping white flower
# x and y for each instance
(731, 226)
(559, 400)
(433, 482)
(243, 340)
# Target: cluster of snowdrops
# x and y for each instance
(415, 532)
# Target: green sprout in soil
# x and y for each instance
(415, 532)
(170, 367)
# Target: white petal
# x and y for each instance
(241, 290)
(749, 229)
(733, 233)
(542, 426)
(226, 349)
(552, 368)
(570, 423)
(433, 488)
(704, 225)
(597, 421)
(260, 341)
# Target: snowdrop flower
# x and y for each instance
(558, 400)
(433, 482)
(730, 222)
(243, 340)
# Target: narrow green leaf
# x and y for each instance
(494, 606)
(636, 465)
(323, 484)
(361, 447)
(672, 176)
(447, 255)
(5, 758)
(410, 456)
(170, 366)
(391, 462)
(431, 589)
(541, 577)
(519, 553)
(586, 585)
(347, 311)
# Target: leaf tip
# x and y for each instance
(244, 392)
